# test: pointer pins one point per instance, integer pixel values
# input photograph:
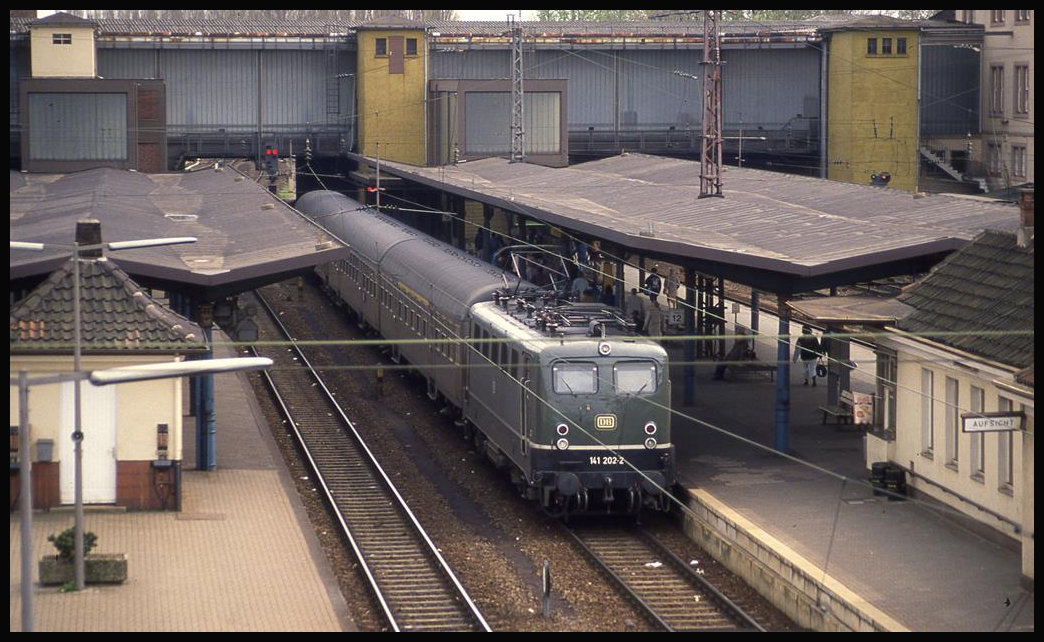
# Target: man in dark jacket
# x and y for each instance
(808, 350)
(653, 283)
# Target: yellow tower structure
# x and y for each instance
(872, 103)
(392, 72)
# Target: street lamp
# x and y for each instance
(98, 378)
(84, 229)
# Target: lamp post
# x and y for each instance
(99, 378)
(87, 230)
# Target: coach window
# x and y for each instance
(574, 378)
(638, 377)
(61, 38)
(381, 46)
(871, 46)
(900, 46)
(886, 46)
(411, 46)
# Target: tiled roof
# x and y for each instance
(984, 293)
(116, 316)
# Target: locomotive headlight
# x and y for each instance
(562, 444)
(562, 429)
(605, 349)
(650, 443)
(650, 428)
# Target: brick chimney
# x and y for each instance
(1025, 235)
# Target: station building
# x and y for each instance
(871, 100)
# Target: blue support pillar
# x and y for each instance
(782, 431)
(206, 425)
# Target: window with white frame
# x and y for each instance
(927, 413)
(997, 90)
(1022, 90)
(953, 422)
(887, 369)
(1018, 160)
(977, 403)
(1005, 465)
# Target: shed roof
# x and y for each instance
(116, 315)
(980, 299)
(246, 236)
(778, 232)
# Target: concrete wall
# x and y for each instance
(793, 584)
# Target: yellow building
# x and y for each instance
(63, 47)
(872, 104)
(392, 73)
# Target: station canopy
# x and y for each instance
(246, 236)
(776, 232)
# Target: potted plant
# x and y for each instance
(99, 568)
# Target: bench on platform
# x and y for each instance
(756, 368)
(842, 412)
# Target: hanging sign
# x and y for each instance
(991, 421)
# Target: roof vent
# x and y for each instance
(181, 218)
(268, 206)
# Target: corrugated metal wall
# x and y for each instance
(78, 126)
(220, 88)
(640, 89)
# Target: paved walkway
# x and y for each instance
(904, 559)
(240, 556)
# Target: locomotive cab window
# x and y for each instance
(635, 377)
(575, 378)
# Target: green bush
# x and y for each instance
(65, 542)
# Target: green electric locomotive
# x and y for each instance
(563, 395)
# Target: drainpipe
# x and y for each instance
(823, 110)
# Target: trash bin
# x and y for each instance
(877, 476)
(895, 482)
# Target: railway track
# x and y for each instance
(412, 583)
(674, 595)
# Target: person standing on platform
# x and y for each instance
(808, 350)
(654, 320)
(634, 308)
(653, 283)
(672, 288)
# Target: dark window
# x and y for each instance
(61, 38)
(871, 46)
(886, 46)
(411, 46)
(382, 46)
(900, 46)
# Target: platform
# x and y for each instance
(842, 557)
(240, 556)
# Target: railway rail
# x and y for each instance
(675, 596)
(412, 583)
